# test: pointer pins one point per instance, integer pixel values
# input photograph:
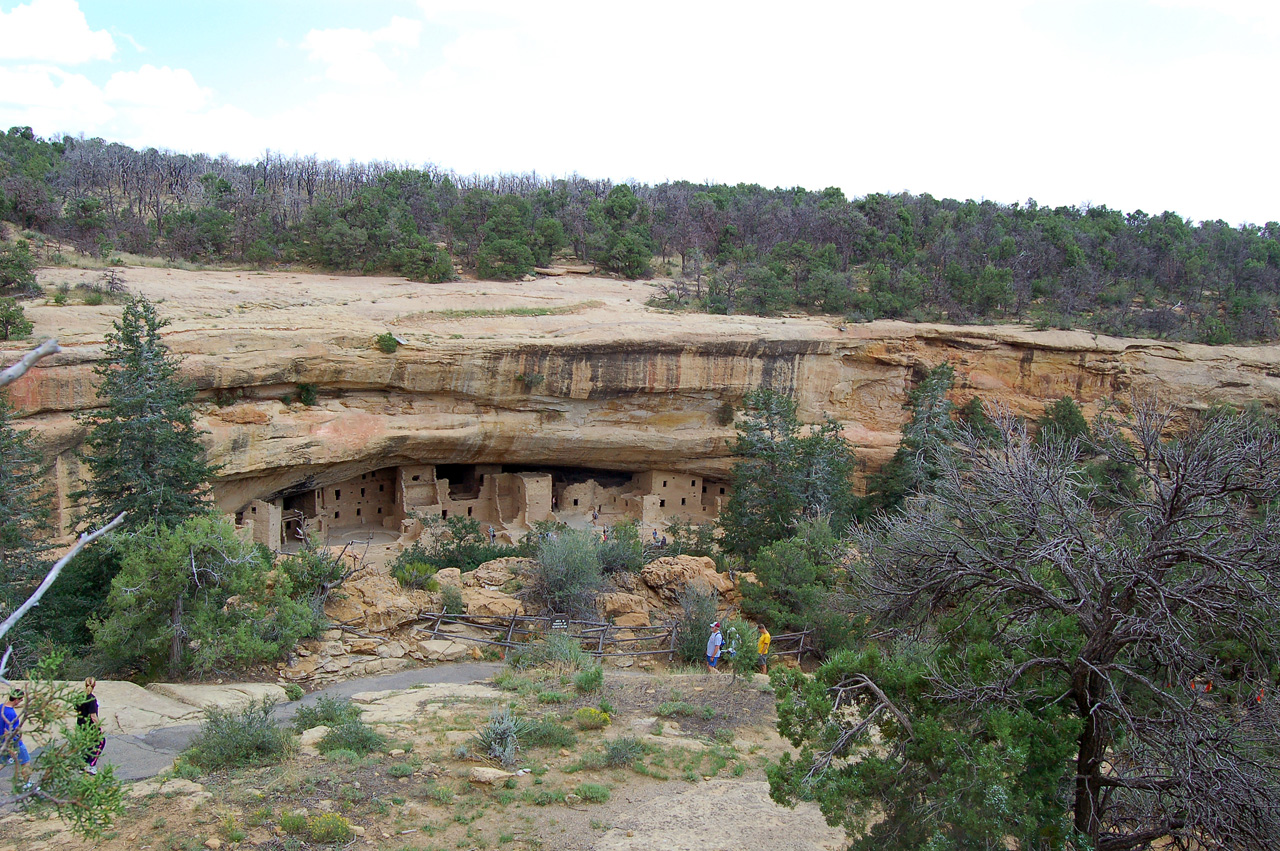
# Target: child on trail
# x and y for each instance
(762, 647)
(87, 713)
(714, 643)
(11, 736)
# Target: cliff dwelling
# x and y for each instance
(386, 502)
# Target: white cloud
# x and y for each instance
(52, 31)
(353, 57)
(50, 98)
(165, 87)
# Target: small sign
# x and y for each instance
(559, 623)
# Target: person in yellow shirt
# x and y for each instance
(762, 647)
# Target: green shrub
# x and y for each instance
(568, 573)
(387, 343)
(416, 574)
(293, 691)
(293, 823)
(548, 796)
(343, 755)
(329, 827)
(401, 769)
(697, 613)
(229, 739)
(557, 650)
(93, 298)
(553, 697)
(504, 260)
(440, 794)
(622, 752)
(326, 711)
(623, 550)
(547, 733)
(676, 707)
(590, 718)
(742, 639)
(607, 708)
(308, 394)
(592, 793)
(14, 324)
(592, 679)
(355, 735)
(451, 602)
(500, 738)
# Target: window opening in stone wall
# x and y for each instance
(357, 512)
(379, 488)
(337, 514)
(664, 483)
(444, 514)
(379, 510)
(415, 478)
(468, 511)
(575, 503)
(337, 494)
(662, 503)
(704, 488)
(682, 500)
(361, 491)
(693, 483)
(722, 491)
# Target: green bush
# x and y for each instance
(623, 550)
(592, 679)
(14, 324)
(693, 628)
(676, 707)
(401, 769)
(17, 269)
(451, 601)
(416, 574)
(568, 573)
(293, 823)
(622, 752)
(592, 793)
(308, 394)
(548, 733)
(504, 260)
(553, 697)
(93, 298)
(387, 343)
(500, 738)
(742, 639)
(590, 718)
(326, 711)
(293, 691)
(328, 828)
(354, 735)
(556, 650)
(229, 739)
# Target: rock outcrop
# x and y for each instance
(619, 386)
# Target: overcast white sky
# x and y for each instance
(1151, 104)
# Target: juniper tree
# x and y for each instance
(143, 446)
(1042, 661)
(23, 510)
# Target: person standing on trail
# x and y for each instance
(655, 536)
(762, 648)
(492, 535)
(11, 735)
(86, 714)
(714, 643)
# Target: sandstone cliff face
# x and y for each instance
(602, 383)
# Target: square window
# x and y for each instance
(379, 510)
(415, 478)
(682, 500)
(664, 483)
(693, 483)
(444, 514)
(722, 491)
(468, 511)
(337, 514)
(662, 503)
(575, 503)
(704, 488)
(337, 494)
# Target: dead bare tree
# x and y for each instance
(1141, 617)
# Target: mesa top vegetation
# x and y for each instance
(735, 249)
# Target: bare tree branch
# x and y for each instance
(13, 373)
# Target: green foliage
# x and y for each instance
(329, 828)
(693, 628)
(231, 739)
(592, 679)
(387, 343)
(352, 734)
(462, 544)
(451, 602)
(308, 394)
(784, 475)
(327, 712)
(17, 270)
(196, 597)
(624, 551)
(926, 437)
(590, 718)
(1062, 423)
(14, 324)
(695, 539)
(792, 578)
(555, 649)
(504, 260)
(416, 574)
(678, 708)
(592, 793)
(742, 641)
(88, 804)
(293, 691)
(623, 751)
(500, 737)
(24, 510)
(548, 733)
(568, 573)
(143, 448)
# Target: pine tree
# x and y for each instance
(143, 448)
(23, 508)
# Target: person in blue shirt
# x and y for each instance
(11, 734)
(714, 643)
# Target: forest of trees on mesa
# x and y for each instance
(738, 249)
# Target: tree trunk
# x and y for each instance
(1088, 763)
(175, 646)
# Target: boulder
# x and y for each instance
(632, 619)
(391, 650)
(491, 603)
(442, 650)
(449, 576)
(375, 602)
(496, 573)
(615, 605)
(366, 646)
(669, 577)
(489, 776)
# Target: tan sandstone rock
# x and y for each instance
(668, 577)
(491, 603)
